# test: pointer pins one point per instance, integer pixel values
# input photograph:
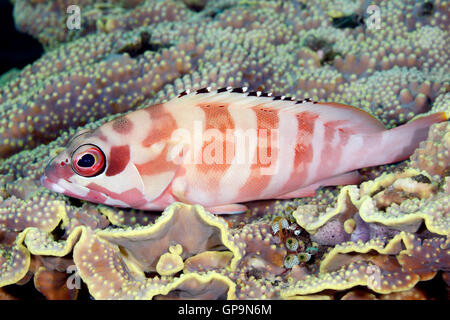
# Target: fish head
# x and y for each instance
(96, 168)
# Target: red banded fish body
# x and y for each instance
(224, 147)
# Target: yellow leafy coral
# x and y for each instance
(130, 54)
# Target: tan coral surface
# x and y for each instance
(386, 238)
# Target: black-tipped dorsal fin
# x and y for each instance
(239, 97)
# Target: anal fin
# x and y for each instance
(232, 208)
(309, 191)
(352, 177)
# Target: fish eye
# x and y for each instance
(88, 160)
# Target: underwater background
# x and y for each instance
(71, 65)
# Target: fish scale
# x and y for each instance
(219, 148)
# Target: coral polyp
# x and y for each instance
(383, 237)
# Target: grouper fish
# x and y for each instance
(221, 148)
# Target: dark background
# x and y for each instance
(17, 49)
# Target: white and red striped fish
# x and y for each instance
(224, 147)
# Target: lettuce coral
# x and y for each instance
(378, 240)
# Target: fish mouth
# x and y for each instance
(49, 184)
(79, 192)
(65, 187)
(53, 182)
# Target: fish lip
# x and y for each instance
(51, 185)
(42, 180)
(47, 183)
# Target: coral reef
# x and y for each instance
(383, 239)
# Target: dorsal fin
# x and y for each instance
(242, 90)
(239, 97)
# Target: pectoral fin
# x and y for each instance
(154, 185)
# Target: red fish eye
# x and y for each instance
(88, 161)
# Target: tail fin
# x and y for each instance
(399, 143)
